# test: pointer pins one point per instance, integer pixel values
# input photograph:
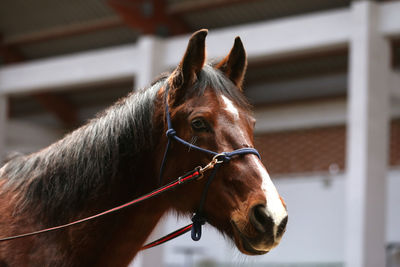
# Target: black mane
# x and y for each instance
(87, 161)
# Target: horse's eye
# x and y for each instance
(199, 125)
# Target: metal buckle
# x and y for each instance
(210, 165)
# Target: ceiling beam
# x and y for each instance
(329, 52)
(185, 7)
(8, 53)
(60, 107)
(149, 16)
(64, 31)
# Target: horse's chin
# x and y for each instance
(244, 244)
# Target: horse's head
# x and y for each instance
(208, 109)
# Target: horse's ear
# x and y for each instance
(190, 66)
(234, 65)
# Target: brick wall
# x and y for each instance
(313, 150)
(395, 143)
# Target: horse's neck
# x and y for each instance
(97, 166)
(120, 236)
(134, 228)
(103, 164)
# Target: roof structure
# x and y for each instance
(47, 28)
(31, 30)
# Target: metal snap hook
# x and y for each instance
(211, 164)
(215, 158)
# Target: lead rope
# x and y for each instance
(190, 176)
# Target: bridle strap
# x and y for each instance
(198, 218)
(172, 135)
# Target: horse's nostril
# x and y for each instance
(260, 214)
(282, 227)
(260, 220)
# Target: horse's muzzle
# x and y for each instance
(261, 234)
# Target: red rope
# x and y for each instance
(193, 175)
(168, 237)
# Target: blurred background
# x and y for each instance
(323, 78)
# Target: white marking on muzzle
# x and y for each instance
(275, 208)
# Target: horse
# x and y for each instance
(116, 157)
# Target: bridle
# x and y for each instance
(198, 218)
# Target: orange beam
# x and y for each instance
(64, 110)
(9, 53)
(185, 7)
(51, 102)
(148, 16)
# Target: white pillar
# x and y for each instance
(3, 121)
(151, 50)
(151, 56)
(367, 139)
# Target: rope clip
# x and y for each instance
(211, 164)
